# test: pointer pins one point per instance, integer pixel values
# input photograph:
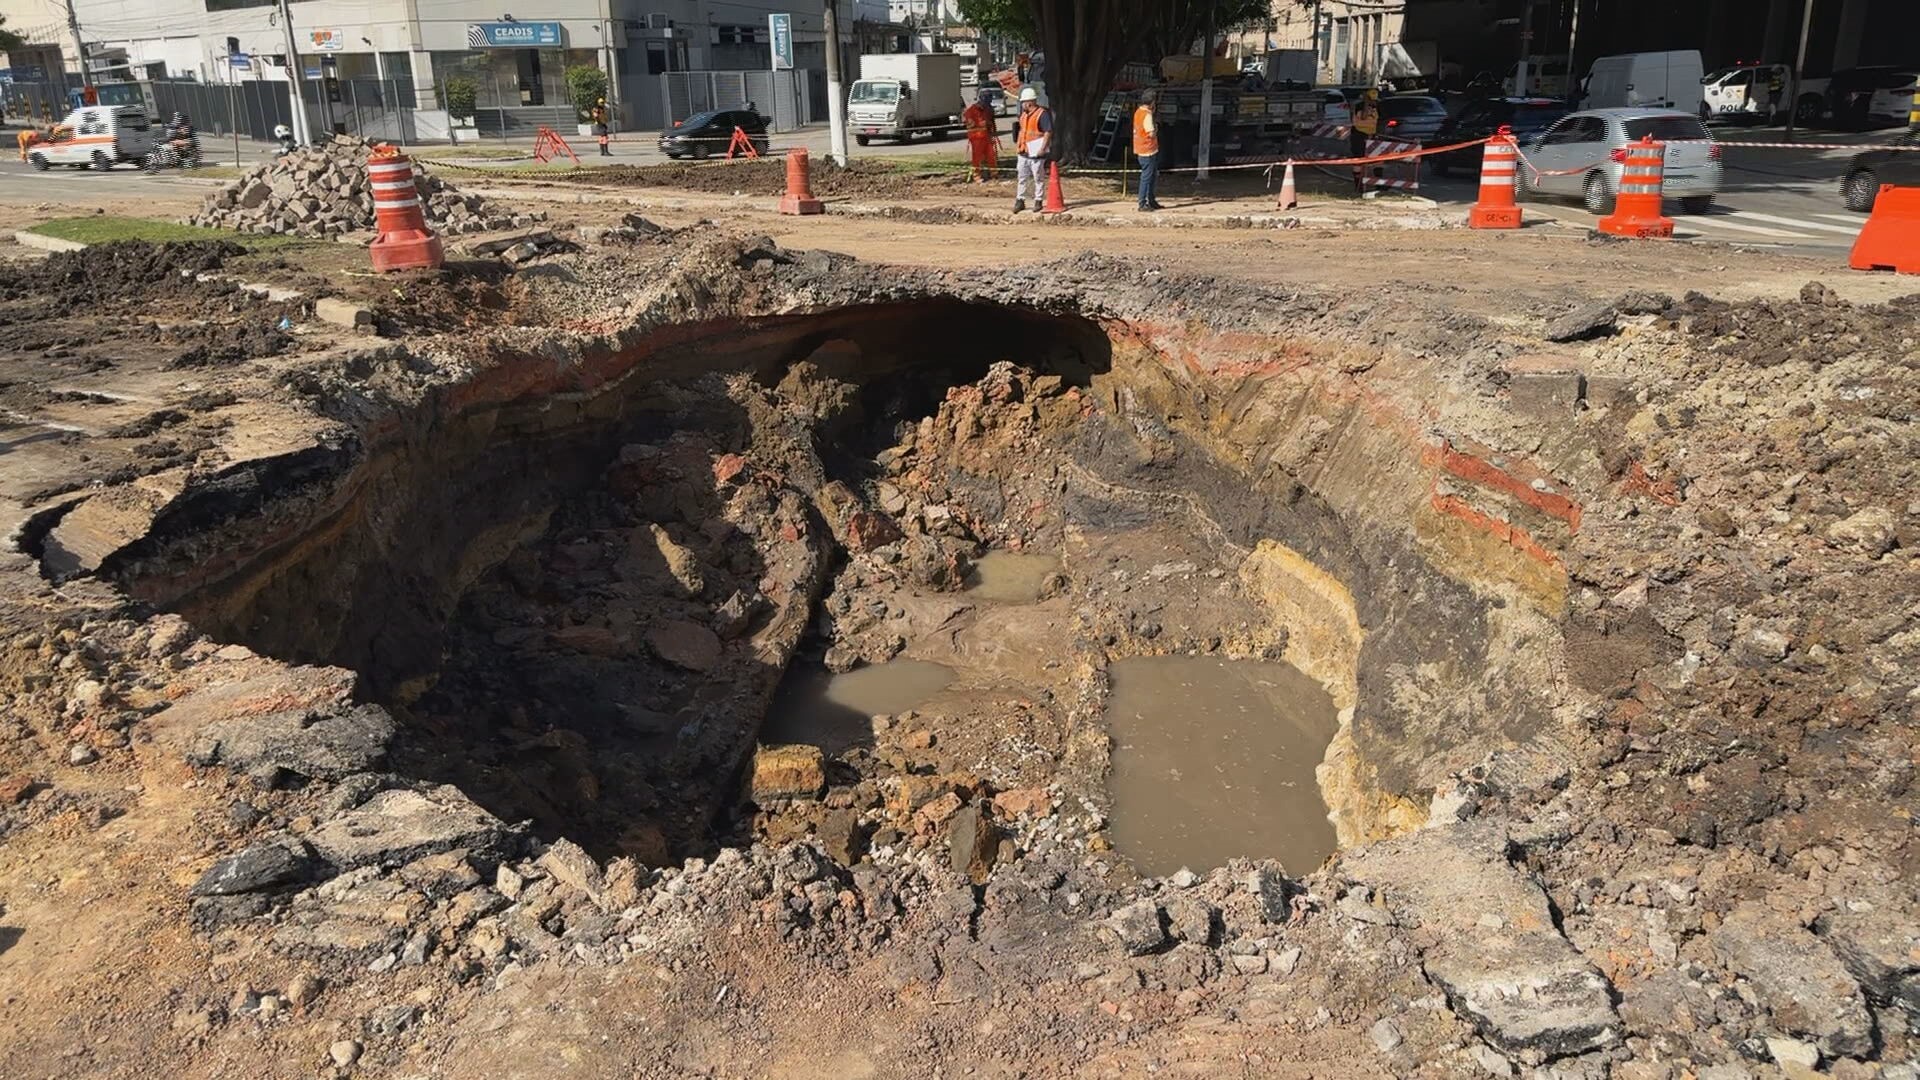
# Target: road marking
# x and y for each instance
(1858, 221)
(1796, 223)
(1721, 223)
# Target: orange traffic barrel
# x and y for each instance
(1499, 162)
(799, 197)
(1636, 209)
(400, 216)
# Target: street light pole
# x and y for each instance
(79, 46)
(1206, 101)
(302, 131)
(1799, 63)
(836, 98)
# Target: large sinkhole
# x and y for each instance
(587, 591)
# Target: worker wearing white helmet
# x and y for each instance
(1035, 134)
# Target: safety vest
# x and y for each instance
(1146, 135)
(1030, 130)
(979, 120)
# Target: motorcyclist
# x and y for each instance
(284, 136)
(181, 137)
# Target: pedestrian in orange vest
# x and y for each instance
(1035, 135)
(28, 136)
(983, 142)
(601, 131)
(1146, 147)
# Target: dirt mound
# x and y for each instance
(863, 179)
(134, 268)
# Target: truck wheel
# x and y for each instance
(863, 140)
(39, 162)
(1860, 190)
(1697, 204)
(101, 162)
(1809, 109)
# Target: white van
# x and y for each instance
(1663, 80)
(97, 137)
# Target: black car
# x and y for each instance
(1411, 118)
(1851, 95)
(1479, 119)
(708, 134)
(1869, 170)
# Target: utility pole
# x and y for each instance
(1206, 101)
(836, 98)
(79, 47)
(302, 131)
(1526, 49)
(1799, 63)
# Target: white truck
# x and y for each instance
(902, 95)
(1667, 80)
(96, 137)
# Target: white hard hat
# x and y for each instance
(1028, 93)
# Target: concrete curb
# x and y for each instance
(44, 242)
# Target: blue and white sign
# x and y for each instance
(513, 35)
(240, 61)
(780, 30)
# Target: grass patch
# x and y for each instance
(471, 152)
(106, 228)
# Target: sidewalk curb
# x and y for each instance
(45, 243)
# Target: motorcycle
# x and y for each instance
(175, 154)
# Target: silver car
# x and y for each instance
(1582, 155)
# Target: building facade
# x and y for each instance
(516, 57)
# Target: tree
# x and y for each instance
(586, 85)
(9, 40)
(462, 97)
(1086, 42)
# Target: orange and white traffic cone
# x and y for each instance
(1498, 162)
(1636, 209)
(1056, 199)
(404, 241)
(1289, 199)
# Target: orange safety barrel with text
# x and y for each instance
(1636, 208)
(399, 216)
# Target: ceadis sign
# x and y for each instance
(513, 35)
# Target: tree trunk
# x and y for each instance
(1086, 43)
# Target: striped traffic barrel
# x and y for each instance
(404, 242)
(1495, 209)
(1636, 208)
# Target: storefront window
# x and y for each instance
(513, 78)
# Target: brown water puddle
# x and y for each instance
(1214, 759)
(1009, 577)
(835, 712)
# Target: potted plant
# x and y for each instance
(587, 87)
(462, 97)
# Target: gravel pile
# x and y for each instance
(322, 191)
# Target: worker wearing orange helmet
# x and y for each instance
(983, 142)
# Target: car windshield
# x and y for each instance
(868, 93)
(1894, 80)
(699, 119)
(1399, 108)
(1666, 128)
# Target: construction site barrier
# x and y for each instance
(1891, 238)
(1636, 206)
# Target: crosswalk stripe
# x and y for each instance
(1795, 223)
(1858, 221)
(1719, 223)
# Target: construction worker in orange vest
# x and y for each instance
(1146, 147)
(983, 142)
(600, 129)
(1366, 121)
(29, 136)
(1035, 135)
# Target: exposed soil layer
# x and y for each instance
(1623, 776)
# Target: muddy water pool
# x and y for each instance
(835, 712)
(1010, 577)
(1214, 759)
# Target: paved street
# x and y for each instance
(1787, 197)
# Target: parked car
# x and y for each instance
(707, 134)
(1649, 80)
(1588, 150)
(1527, 116)
(1411, 118)
(1744, 92)
(1863, 97)
(1336, 107)
(1901, 168)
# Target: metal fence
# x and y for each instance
(373, 108)
(784, 97)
